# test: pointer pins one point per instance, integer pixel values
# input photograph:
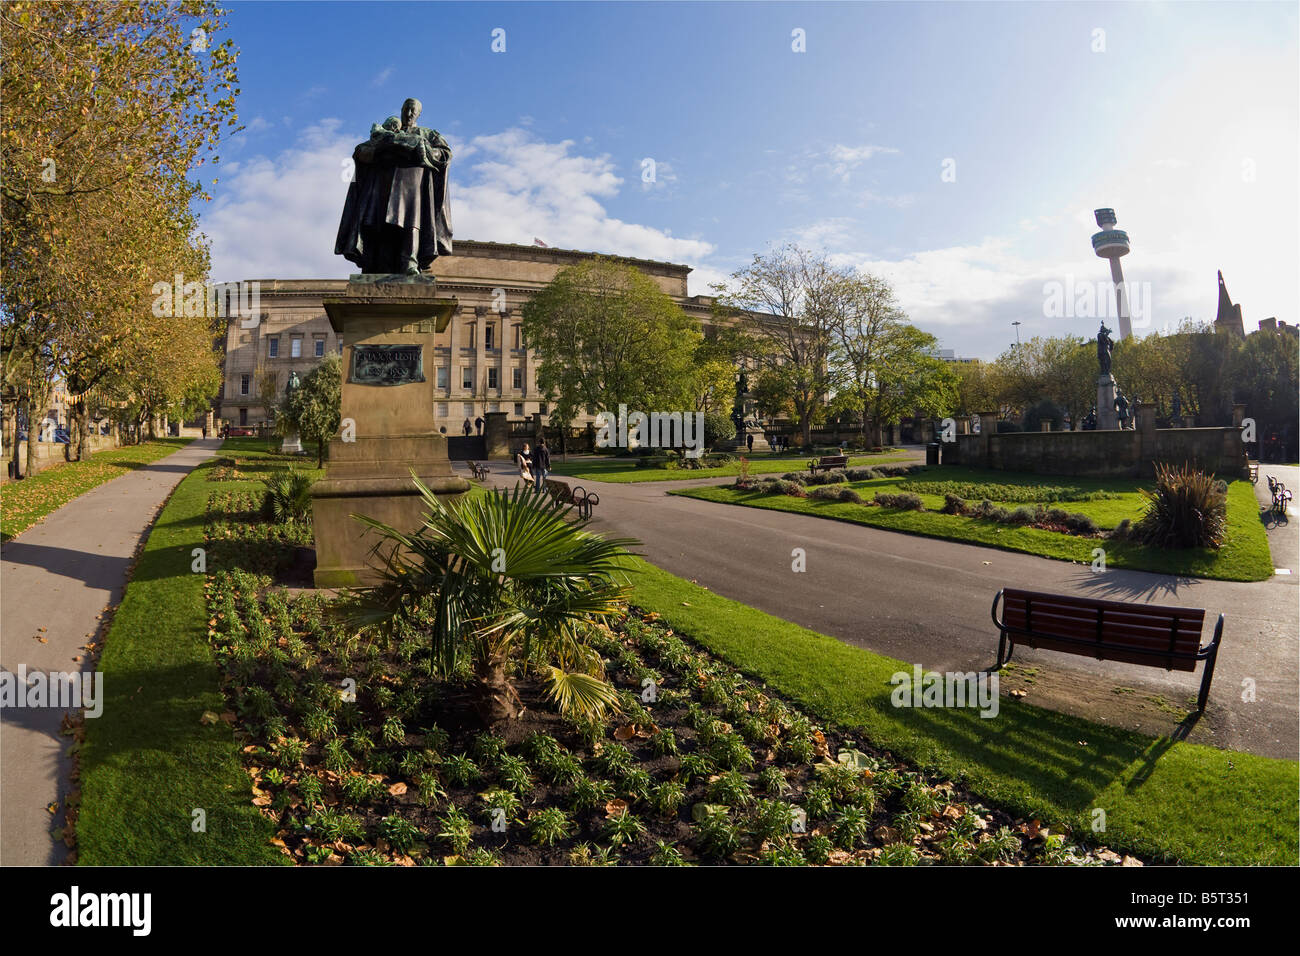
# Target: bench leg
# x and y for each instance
(1005, 649)
(1203, 698)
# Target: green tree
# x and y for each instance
(313, 407)
(909, 379)
(1264, 373)
(605, 334)
(783, 302)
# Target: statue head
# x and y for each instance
(411, 111)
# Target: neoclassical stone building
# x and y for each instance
(482, 363)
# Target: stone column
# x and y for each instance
(496, 435)
(1107, 419)
(1238, 414)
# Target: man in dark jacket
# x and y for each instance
(541, 464)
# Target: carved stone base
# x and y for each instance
(387, 430)
(1107, 419)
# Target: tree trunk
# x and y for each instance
(497, 700)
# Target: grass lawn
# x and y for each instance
(23, 503)
(625, 469)
(151, 759)
(1244, 556)
(1162, 799)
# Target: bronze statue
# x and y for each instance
(397, 216)
(1104, 346)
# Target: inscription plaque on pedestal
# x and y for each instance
(387, 365)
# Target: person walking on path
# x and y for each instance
(524, 460)
(478, 424)
(541, 464)
(749, 443)
(467, 428)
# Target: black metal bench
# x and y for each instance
(827, 462)
(585, 501)
(1281, 497)
(1145, 634)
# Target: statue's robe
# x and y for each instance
(400, 182)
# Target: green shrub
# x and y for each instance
(904, 502)
(288, 496)
(1187, 509)
(953, 505)
(1026, 494)
(861, 474)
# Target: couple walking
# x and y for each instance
(535, 465)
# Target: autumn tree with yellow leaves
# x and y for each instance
(110, 112)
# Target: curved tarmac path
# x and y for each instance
(56, 580)
(927, 601)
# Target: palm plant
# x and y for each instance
(505, 580)
(288, 496)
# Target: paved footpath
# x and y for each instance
(55, 579)
(927, 601)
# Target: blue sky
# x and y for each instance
(1181, 116)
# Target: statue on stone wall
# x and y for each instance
(397, 215)
(1105, 344)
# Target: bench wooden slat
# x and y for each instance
(1146, 634)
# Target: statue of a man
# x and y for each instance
(397, 216)
(1104, 346)
(292, 385)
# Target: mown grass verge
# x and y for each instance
(1162, 799)
(151, 761)
(621, 470)
(23, 503)
(1244, 555)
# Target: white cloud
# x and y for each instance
(382, 76)
(278, 217)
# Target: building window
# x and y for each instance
(273, 346)
(519, 409)
(467, 378)
(295, 347)
(492, 378)
(442, 409)
(340, 346)
(469, 409)
(243, 416)
(517, 379)
(243, 385)
(320, 347)
(541, 409)
(442, 378)
(489, 336)
(495, 407)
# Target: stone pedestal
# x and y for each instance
(387, 430)
(1107, 419)
(292, 444)
(739, 445)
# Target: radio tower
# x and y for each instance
(1111, 243)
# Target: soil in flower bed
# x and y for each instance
(363, 754)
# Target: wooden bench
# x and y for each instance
(827, 462)
(479, 472)
(1146, 634)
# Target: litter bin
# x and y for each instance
(932, 453)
